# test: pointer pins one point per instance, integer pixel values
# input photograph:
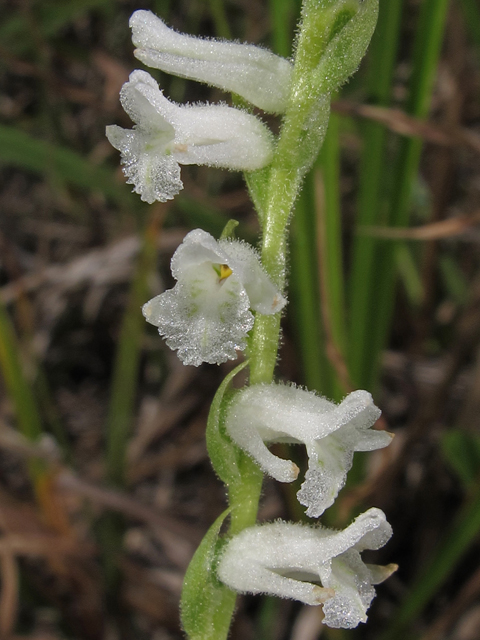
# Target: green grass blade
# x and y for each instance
(382, 56)
(282, 13)
(49, 411)
(330, 254)
(304, 291)
(29, 423)
(427, 50)
(463, 532)
(19, 149)
(26, 409)
(222, 28)
(382, 275)
(409, 273)
(471, 12)
(454, 282)
(461, 450)
(312, 260)
(162, 8)
(124, 384)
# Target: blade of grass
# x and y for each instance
(426, 53)
(29, 424)
(24, 316)
(316, 253)
(454, 280)
(162, 8)
(304, 288)
(330, 257)
(266, 627)
(409, 274)
(281, 15)
(471, 12)
(463, 532)
(222, 28)
(26, 410)
(373, 269)
(382, 56)
(19, 149)
(49, 411)
(125, 373)
(122, 400)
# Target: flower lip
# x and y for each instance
(206, 316)
(256, 74)
(264, 414)
(287, 559)
(166, 135)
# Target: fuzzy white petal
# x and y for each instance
(256, 74)
(204, 322)
(155, 176)
(221, 136)
(264, 414)
(207, 317)
(287, 559)
(166, 135)
(146, 105)
(263, 294)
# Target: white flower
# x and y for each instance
(256, 74)
(331, 433)
(207, 316)
(166, 134)
(287, 559)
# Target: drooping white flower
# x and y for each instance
(166, 135)
(207, 316)
(289, 559)
(256, 74)
(263, 414)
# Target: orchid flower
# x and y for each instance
(331, 433)
(256, 74)
(166, 135)
(290, 559)
(207, 316)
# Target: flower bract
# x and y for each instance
(256, 74)
(207, 316)
(166, 135)
(263, 414)
(290, 559)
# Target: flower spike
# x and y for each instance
(331, 433)
(166, 135)
(207, 316)
(287, 559)
(256, 74)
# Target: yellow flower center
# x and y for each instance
(225, 271)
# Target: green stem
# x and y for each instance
(244, 497)
(274, 191)
(300, 139)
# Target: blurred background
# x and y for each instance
(105, 485)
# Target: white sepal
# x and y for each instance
(207, 316)
(166, 135)
(263, 414)
(288, 559)
(256, 74)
